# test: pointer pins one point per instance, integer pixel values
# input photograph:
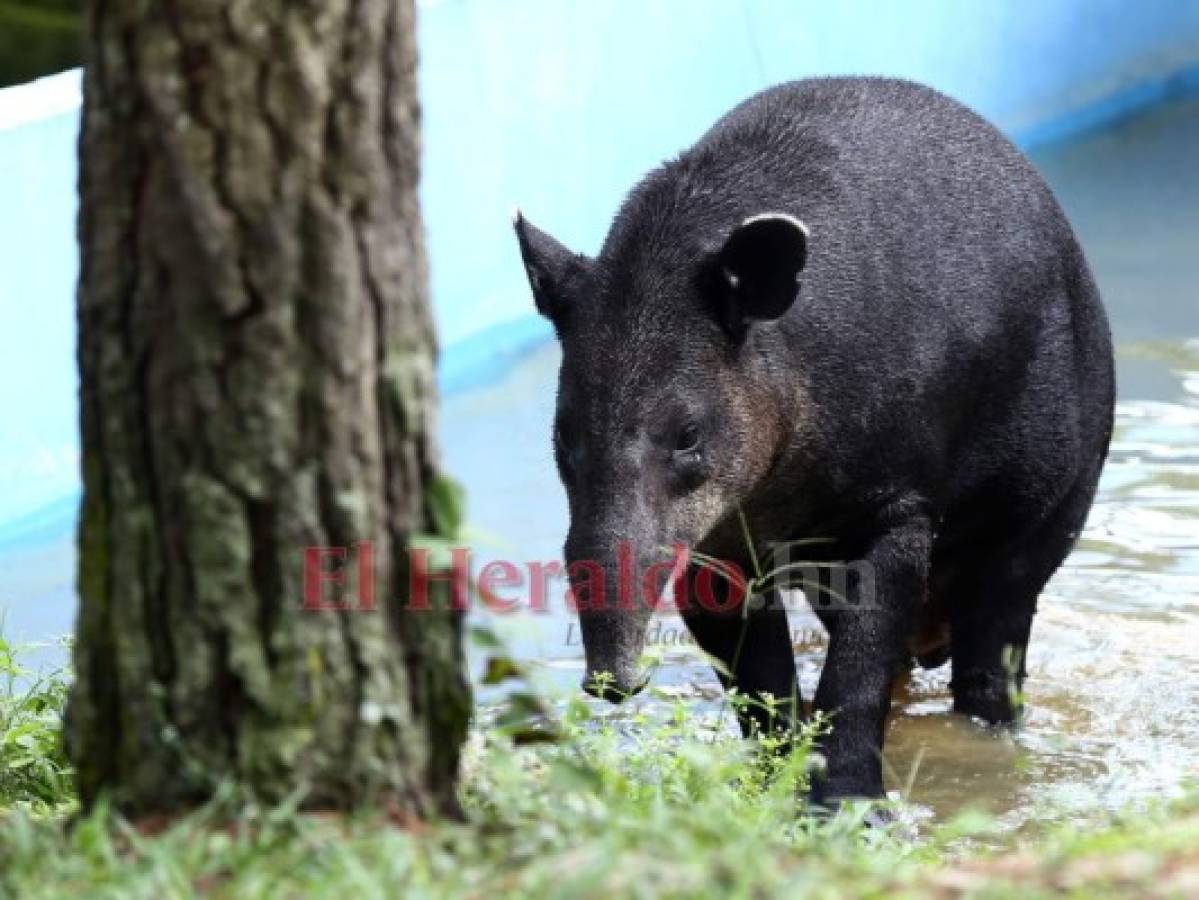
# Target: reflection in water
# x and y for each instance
(1113, 688)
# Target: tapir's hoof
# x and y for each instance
(874, 813)
(879, 815)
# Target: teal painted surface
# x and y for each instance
(38, 431)
(559, 107)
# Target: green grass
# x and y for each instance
(34, 773)
(559, 802)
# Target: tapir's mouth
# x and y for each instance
(614, 690)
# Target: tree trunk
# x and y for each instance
(256, 360)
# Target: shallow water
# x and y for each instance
(1113, 688)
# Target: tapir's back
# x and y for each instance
(946, 299)
(894, 173)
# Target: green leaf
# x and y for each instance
(447, 506)
(501, 668)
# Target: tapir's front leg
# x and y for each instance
(754, 647)
(867, 637)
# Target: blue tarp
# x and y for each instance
(559, 107)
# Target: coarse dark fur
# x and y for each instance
(935, 400)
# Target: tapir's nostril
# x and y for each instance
(606, 688)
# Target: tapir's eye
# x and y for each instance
(687, 440)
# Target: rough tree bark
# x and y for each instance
(257, 376)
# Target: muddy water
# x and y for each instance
(1113, 687)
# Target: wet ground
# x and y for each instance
(1113, 687)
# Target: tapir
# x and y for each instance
(851, 318)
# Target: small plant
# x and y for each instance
(560, 798)
(34, 772)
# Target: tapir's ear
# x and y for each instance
(550, 266)
(756, 272)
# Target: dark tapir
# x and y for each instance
(852, 311)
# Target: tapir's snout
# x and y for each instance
(607, 585)
(615, 689)
(612, 643)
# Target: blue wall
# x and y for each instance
(558, 107)
(38, 426)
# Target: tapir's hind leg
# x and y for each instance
(992, 608)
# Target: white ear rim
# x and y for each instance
(786, 217)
